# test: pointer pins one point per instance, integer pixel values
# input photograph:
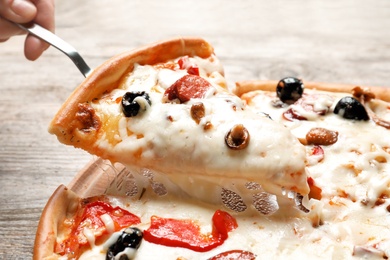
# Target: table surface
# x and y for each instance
(346, 41)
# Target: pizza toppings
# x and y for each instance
(315, 191)
(96, 219)
(321, 136)
(86, 118)
(309, 107)
(289, 89)
(134, 102)
(187, 87)
(234, 254)
(365, 96)
(351, 108)
(197, 111)
(191, 67)
(316, 154)
(128, 241)
(362, 94)
(187, 233)
(291, 115)
(237, 138)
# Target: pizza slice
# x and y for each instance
(166, 108)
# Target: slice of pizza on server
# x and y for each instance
(166, 107)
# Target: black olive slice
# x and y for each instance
(351, 108)
(130, 238)
(289, 89)
(130, 106)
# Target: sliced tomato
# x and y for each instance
(90, 218)
(187, 87)
(234, 254)
(187, 234)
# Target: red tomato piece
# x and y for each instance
(90, 217)
(234, 254)
(223, 223)
(187, 87)
(186, 64)
(186, 233)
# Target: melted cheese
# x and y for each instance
(350, 221)
(165, 137)
(108, 222)
(354, 176)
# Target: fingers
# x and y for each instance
(34, 47)
(8, 30)
(24, 11)
(20, 11)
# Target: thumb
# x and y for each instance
(19, 11)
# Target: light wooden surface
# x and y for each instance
(346, 41)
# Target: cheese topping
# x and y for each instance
(348, 219)
(353, 175)
(346, 211)
(165, 131)
(108, 222)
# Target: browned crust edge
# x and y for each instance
(62, 203)
(243, 87)
(107, 76)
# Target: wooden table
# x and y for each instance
(335, 41)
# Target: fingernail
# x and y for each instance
(23, 8)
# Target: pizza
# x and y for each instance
(270, 169)
(346, 132)
(167, 108)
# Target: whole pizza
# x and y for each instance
(196, 169)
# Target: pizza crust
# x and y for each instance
(61, 205)
(243, 87)
(75, 125)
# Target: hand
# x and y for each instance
(24, 11)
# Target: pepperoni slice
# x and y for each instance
(291, 115)
(234, 254)
(186, 64)
(186, 233)
(318, 104)
(187, 87)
